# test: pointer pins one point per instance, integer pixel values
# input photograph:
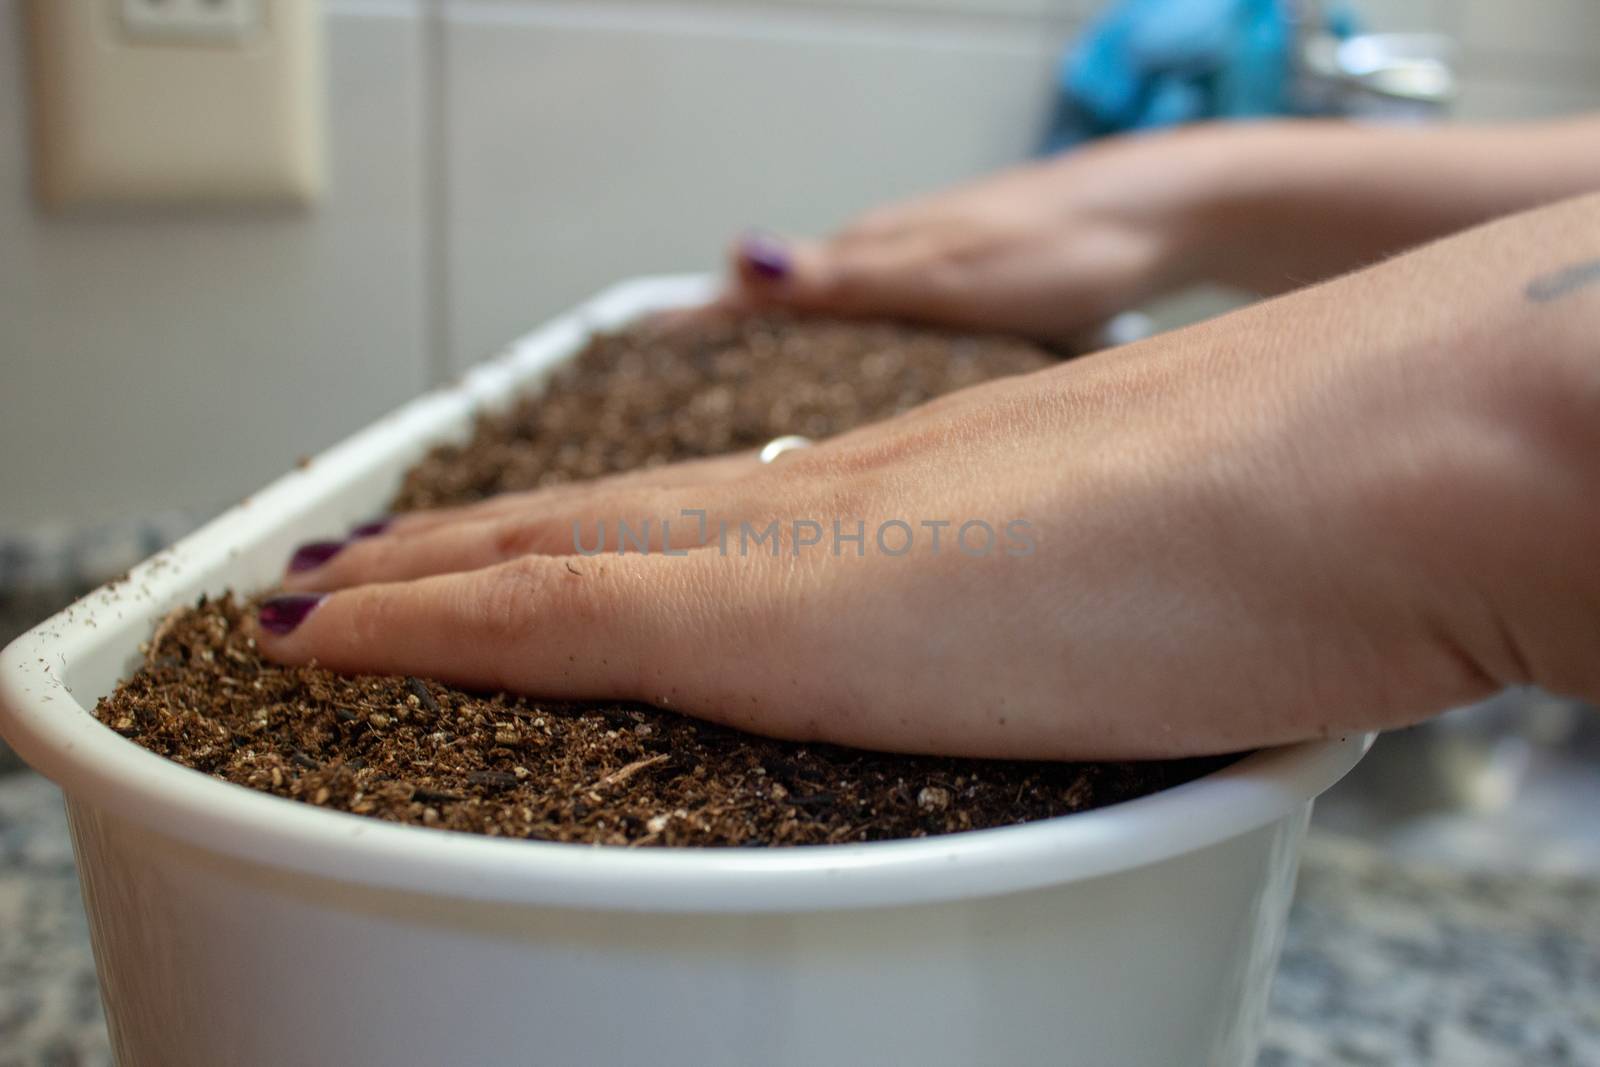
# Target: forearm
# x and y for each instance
(1285, 204)
(1535, 279)
(1444, 412)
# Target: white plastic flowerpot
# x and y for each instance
(235, 928)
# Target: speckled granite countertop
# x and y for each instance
(1384, 964)
(1409, 965)
(49, 1000)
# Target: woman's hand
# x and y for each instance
(1052, 249)
(1344, 509)
(1048, 250)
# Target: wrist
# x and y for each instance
(1491, 386)
(1242, 196)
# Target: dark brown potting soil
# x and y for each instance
(409, 750)
(653, 395)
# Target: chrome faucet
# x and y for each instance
(1403, 77)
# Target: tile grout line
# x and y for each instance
(436, 188)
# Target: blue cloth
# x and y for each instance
(1149, 63)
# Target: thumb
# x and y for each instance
(666, 630)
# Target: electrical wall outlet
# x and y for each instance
(177, 102)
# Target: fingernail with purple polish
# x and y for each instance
(314, 554)
(373, 528)
(766, 256)
(280, 614)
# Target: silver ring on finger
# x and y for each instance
(779, 445)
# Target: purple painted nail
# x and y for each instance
(766, 255)
(314, 554)
(373, 528)
(280, 614)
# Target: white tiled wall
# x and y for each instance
(1529, 58)
(1556, 35)
(151, 363)
(494, 160)
(672, 133)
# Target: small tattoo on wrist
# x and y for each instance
(1553, 286)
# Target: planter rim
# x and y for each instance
(54, 731)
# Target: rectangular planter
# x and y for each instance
(232, 927)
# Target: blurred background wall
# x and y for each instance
(492, 161)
